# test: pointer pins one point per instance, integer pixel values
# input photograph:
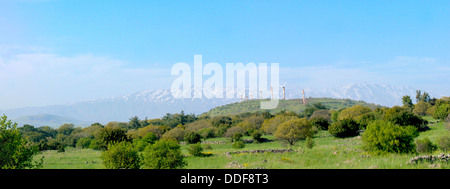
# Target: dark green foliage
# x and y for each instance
(384, 136)
(195, 149)
(164, 154)
(238, 144)
(173, 120)
(142, 143)
(111, 134)
(257, 136)
(425, 145)
(320, 122)
(344, 128)
(236, 137)
(192, 138)
(402, 117)
(407, 102)
(121, 155)
(14, 151)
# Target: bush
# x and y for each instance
(164, 154)
(238, 144)
(384, 136)
(121, 155)
(320, 122)
(257, 136)
(310, 143)
(294, 130)
(84, 143)
(402, 117)
(443, 143)
(195, 149)
(15, 153)
(192, 138)
(425, 145)
(442, 111)
(344, 128)
(110, 135)
(142, 143)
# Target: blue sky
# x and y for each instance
(54, 51)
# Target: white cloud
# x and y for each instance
(36, 79)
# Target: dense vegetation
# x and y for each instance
(158, 143)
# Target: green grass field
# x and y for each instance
(328, 153)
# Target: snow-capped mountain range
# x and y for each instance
(155, 103)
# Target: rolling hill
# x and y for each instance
(295, 105)
(48, 120)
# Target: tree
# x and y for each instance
(164, 154)
(402, 117)
(385, 136)
(121, 155)
(421, 108)
(14, 151)
(134, 123)
(269, 126)
(407, 102)
(111, 134)
(442, 111)
(320, 122)
(344, 128)
(422, 96)
(354, 112)
(294, 130)
(192, 138)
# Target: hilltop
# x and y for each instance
(295, 105)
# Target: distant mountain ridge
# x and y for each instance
(155, 103)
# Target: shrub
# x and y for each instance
(353, 112)
(269, 126)
(294, 130)
(442, 111)
(83, 143)
(238, 144)
(192, 138)
(425, 145)
(195, 149)
(344, 128)
(142, 143)
(402, 117)
(14, 151)
(443, 143)
(176, 133)
(164, 154)
(384, 136)
(310, 143)
(320, 122)
(110, 134)
(257, 136)
(121, 155)
(231, 132)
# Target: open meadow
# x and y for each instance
(328, 153)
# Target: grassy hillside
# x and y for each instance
(295, 105)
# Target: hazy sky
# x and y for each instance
(64, 51)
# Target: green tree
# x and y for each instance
(121, 155)
(192, 138)
(344, 128)
(402, 117)
(14, 151)
(385, 136)
(421, 108)
(294, 130)
(164, 154)
(407, 102)
(442, 111)
(111, 134)
(195, 149)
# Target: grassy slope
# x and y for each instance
(329, 153)
(295, 105)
